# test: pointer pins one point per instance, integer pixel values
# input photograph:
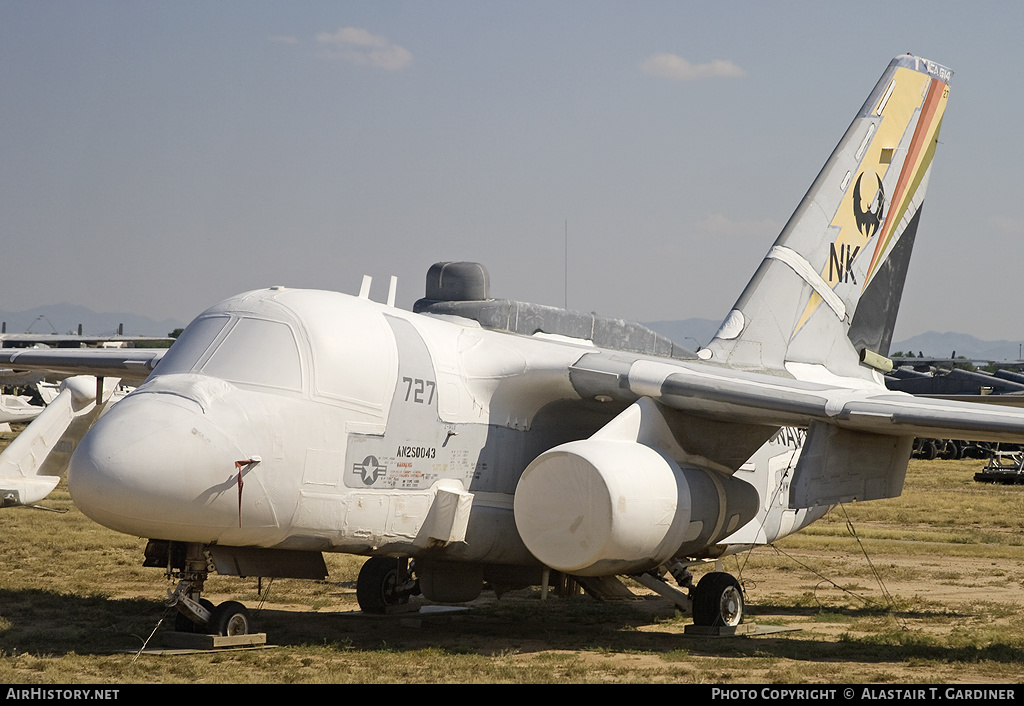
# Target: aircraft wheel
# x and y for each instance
(229, 619)
(950, 450)
(958, 450)
(182, 623)
(718, 601)
(376, 585)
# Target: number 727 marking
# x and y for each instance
(418, 389)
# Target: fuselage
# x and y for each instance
(313, 420)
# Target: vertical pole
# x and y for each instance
(565, 273)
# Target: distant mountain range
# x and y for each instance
(690, 333)
(65, 318)
(951, 345)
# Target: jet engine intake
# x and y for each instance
(601, 507)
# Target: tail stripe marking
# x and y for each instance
(917, 163)
(901, 105)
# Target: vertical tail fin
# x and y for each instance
(828, 291)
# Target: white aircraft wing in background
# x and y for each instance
(33, 463)
(133, 365)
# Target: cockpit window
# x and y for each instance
(257, 352)
(192, 345)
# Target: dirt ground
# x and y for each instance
(951, 620)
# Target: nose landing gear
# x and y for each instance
(199, 615)
(191, 564)
(230, 619)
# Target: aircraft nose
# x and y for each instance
(157, 466)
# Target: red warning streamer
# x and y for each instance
(239, 466)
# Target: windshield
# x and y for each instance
(257, 352)
(254, 351)
(191, 345)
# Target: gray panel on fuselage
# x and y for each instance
(414, 451)
(418, 449)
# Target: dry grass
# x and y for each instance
(76, 606)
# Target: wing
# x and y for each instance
(756, 398)
(858, 442)
(132, 365)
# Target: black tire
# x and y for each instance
(182, 623)
(718, 601)
(230, 619)
(950, 450)
(375, 587)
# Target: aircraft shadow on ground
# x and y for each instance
(48, 622)
(584, 625)
(45, 622)
(809, 612)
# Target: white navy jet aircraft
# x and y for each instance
(479, 440)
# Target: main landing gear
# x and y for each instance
(385, 585)
(716, 601)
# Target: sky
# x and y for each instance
(636, 159)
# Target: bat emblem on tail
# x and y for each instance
(869, 220)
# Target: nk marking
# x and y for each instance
(840, 264)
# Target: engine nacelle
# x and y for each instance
(601, 507)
